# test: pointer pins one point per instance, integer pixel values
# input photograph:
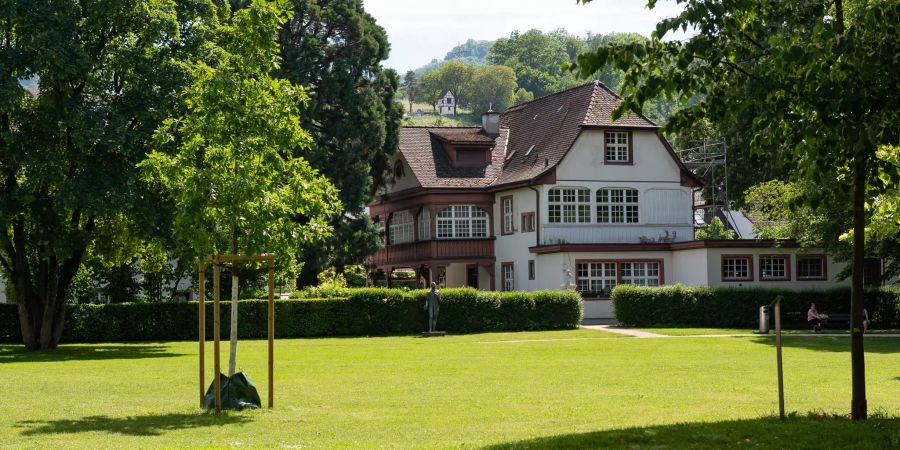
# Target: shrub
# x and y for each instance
(739, 307)
(360, 312)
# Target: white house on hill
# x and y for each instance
(446, 104)
(552, 194)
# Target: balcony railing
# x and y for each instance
(435, 249)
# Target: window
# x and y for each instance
(508, 272)
(528, 222)
(569, 205)
(640, 273)
(530, 269)
(774, 267)
(399, 172)
(617, 206)
(401, 228)
(507, 207)
(461, 221)
(811, 267)
(598, 278)
(595, 279)
(737, 268)
(617, 149)
(424, 225)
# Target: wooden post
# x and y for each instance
(201, 329)
(216, 331)
(271, 333)
(778, 356)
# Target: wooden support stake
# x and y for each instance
(201, 329)
(778, 353)
(271, 333)
(216, 331)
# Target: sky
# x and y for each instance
(421, 30)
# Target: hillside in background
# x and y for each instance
(476, 71)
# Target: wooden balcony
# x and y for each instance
(412, 254)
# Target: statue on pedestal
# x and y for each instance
(433, 305)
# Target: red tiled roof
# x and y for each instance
(535, 136)
(468, 136)
(425, 154)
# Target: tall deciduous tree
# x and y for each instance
(411, 87)
(822, 87)
(229, 162)
(492, 87)
(106, 75)
(536, 58)
(335, 47)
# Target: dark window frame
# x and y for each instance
(747, 257)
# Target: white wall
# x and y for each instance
(714, 267)
(514, 247)
(456, 275)
(652, 162)
(690, 267)
(408, 181)
(664, 204)
(2, 288)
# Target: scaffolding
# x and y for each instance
(704, 158)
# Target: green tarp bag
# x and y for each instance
(238, 392)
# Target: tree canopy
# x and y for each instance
(105, 79)
(814, 85)
(336, 49)
(492, 87)
(229, 163)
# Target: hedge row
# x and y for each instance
(739, 307)
(365, 311)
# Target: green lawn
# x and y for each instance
(708, 331)
(575, 389)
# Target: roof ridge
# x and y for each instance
(440, 126)
(618, 97)
(523, 104)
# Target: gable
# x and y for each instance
(651, 160)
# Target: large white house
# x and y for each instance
(551, 193)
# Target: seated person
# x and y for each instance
(813, 318)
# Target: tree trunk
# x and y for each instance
(857, 356)
(232, 357)
(42, 308)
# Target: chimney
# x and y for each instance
(490, 122)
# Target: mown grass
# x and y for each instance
(720, 331)
(564, 389)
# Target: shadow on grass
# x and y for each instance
(80, 352)
(840, 344)
(813, 432)
(150, 425)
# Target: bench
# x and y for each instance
(837, 321)
(834, 320)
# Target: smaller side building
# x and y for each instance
(446, 104)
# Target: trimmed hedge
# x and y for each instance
(739, 307)
(364, 311)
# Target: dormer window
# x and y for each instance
(617, 147)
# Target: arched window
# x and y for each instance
(399, 172)
(401, 228)
(424, 225)
(461, 221)
(569, 205)
(617, 205)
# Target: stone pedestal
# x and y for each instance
(433, 333)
